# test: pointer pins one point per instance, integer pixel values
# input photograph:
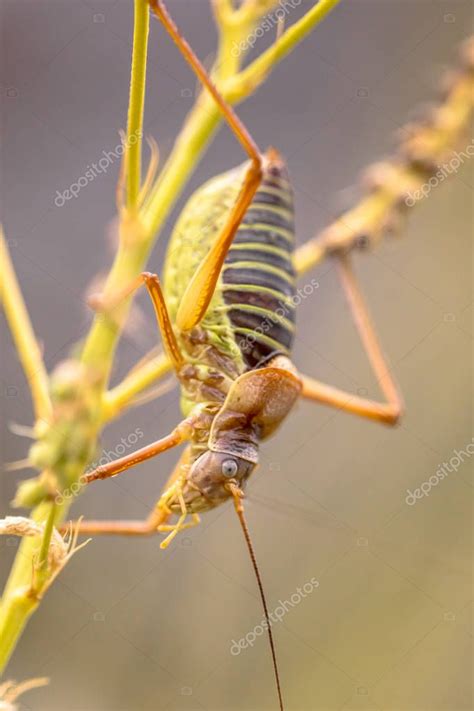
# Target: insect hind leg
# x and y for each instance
(198, 295)
(388, 412)
(147, 527)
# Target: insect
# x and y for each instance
(227, 321)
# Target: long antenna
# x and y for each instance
(237, 494)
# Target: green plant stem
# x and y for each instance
(18, 603)
(140, 378)
(196, 135)
(137, 100)
(46, 540)
(23, 334)
(223, 11)
(21, 606)
(20, 574)
(252, 76)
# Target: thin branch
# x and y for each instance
(25, 341)
(223, 11)
(121, 396)
(10, 690)
(252, 11)
(46, 542)
(137, 101)
(252, 76)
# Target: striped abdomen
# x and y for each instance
(258, 278)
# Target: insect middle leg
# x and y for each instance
(152, 283)
(147, 527)
(173, 439)
(388, 412)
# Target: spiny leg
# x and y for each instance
(159, 516)
(173, 439)
(388, 412)
(201, 288)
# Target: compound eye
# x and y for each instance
(229, 468)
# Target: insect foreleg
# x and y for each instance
(388, 412)
(121, 528)
(176, 437)
(159, 516)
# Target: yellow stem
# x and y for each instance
(254, 10)
(223, 11)
(137, 101)
(45, 542)
(18, 601)
(23, 335)
(13, 619)
(119, 397)
(252, 76)
(197, 132)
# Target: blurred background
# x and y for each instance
(128, 626)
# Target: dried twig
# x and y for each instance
(10, 691)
